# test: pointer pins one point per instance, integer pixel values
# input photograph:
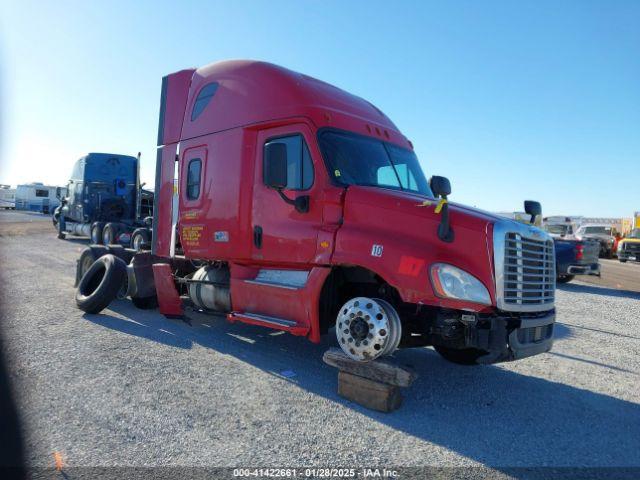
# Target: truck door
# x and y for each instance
(280, 233)
(191, 222)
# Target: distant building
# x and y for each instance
(37, 197)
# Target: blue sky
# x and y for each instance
(511, 100)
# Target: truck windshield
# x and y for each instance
(598, 230)
(635, 233)
(358, 160)
(557, 229)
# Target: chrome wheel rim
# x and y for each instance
(368, 328)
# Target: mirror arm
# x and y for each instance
(284, 197)
(445, 232)
(301, 203)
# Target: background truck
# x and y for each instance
(629, 246)
(573, 256)
(105, 201)
(300, 207)
(606, 235)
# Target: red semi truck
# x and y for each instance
(286, 202)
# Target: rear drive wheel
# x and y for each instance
(96, 233)
(140, 239)
(109, 233)
(145, 303)
(465, 356)
(100, 284)
(368, 328)
(564, 278)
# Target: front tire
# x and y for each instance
(465, 356)
(564, 278)
(368, 328)
(622, 260)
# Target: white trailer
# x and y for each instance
(7, 197)
(37, 197)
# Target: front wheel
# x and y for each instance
(368, 328)
(622, 260)
(564, 278)
(464, 356)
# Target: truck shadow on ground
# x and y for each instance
(597, 290)
(489, 414)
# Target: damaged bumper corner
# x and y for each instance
(505, 341)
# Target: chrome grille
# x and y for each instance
(529, 273)
(524, 268)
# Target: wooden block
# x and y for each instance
(369, 393)
(382, 370)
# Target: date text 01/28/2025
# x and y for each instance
(315, 473)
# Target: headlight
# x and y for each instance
(451, 282)
(620, 246)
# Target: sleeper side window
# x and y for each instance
(204, 97)
(193, 179)
(299, 164)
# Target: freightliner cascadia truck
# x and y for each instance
(285, 202)
(105, 201)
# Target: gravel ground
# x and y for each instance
(128, 387)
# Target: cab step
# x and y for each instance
(268, 321)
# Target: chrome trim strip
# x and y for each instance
(281, 322)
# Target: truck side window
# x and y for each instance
(193, 179)
(204, 97)
(299, 164)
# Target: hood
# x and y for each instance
(394, 233)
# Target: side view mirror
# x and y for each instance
(275, 165)
(532, 208)
(275, 174)
(440, 186)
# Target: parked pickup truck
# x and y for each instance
(629, 247)
(605, 234)
(300, 207)
(573, 256)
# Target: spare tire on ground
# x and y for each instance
(100, 284)
(87, 257)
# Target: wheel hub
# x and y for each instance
(368, 328)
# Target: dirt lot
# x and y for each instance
(130, 387)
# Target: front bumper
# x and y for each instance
(506, 338)
(592, 269)
(629, 255)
